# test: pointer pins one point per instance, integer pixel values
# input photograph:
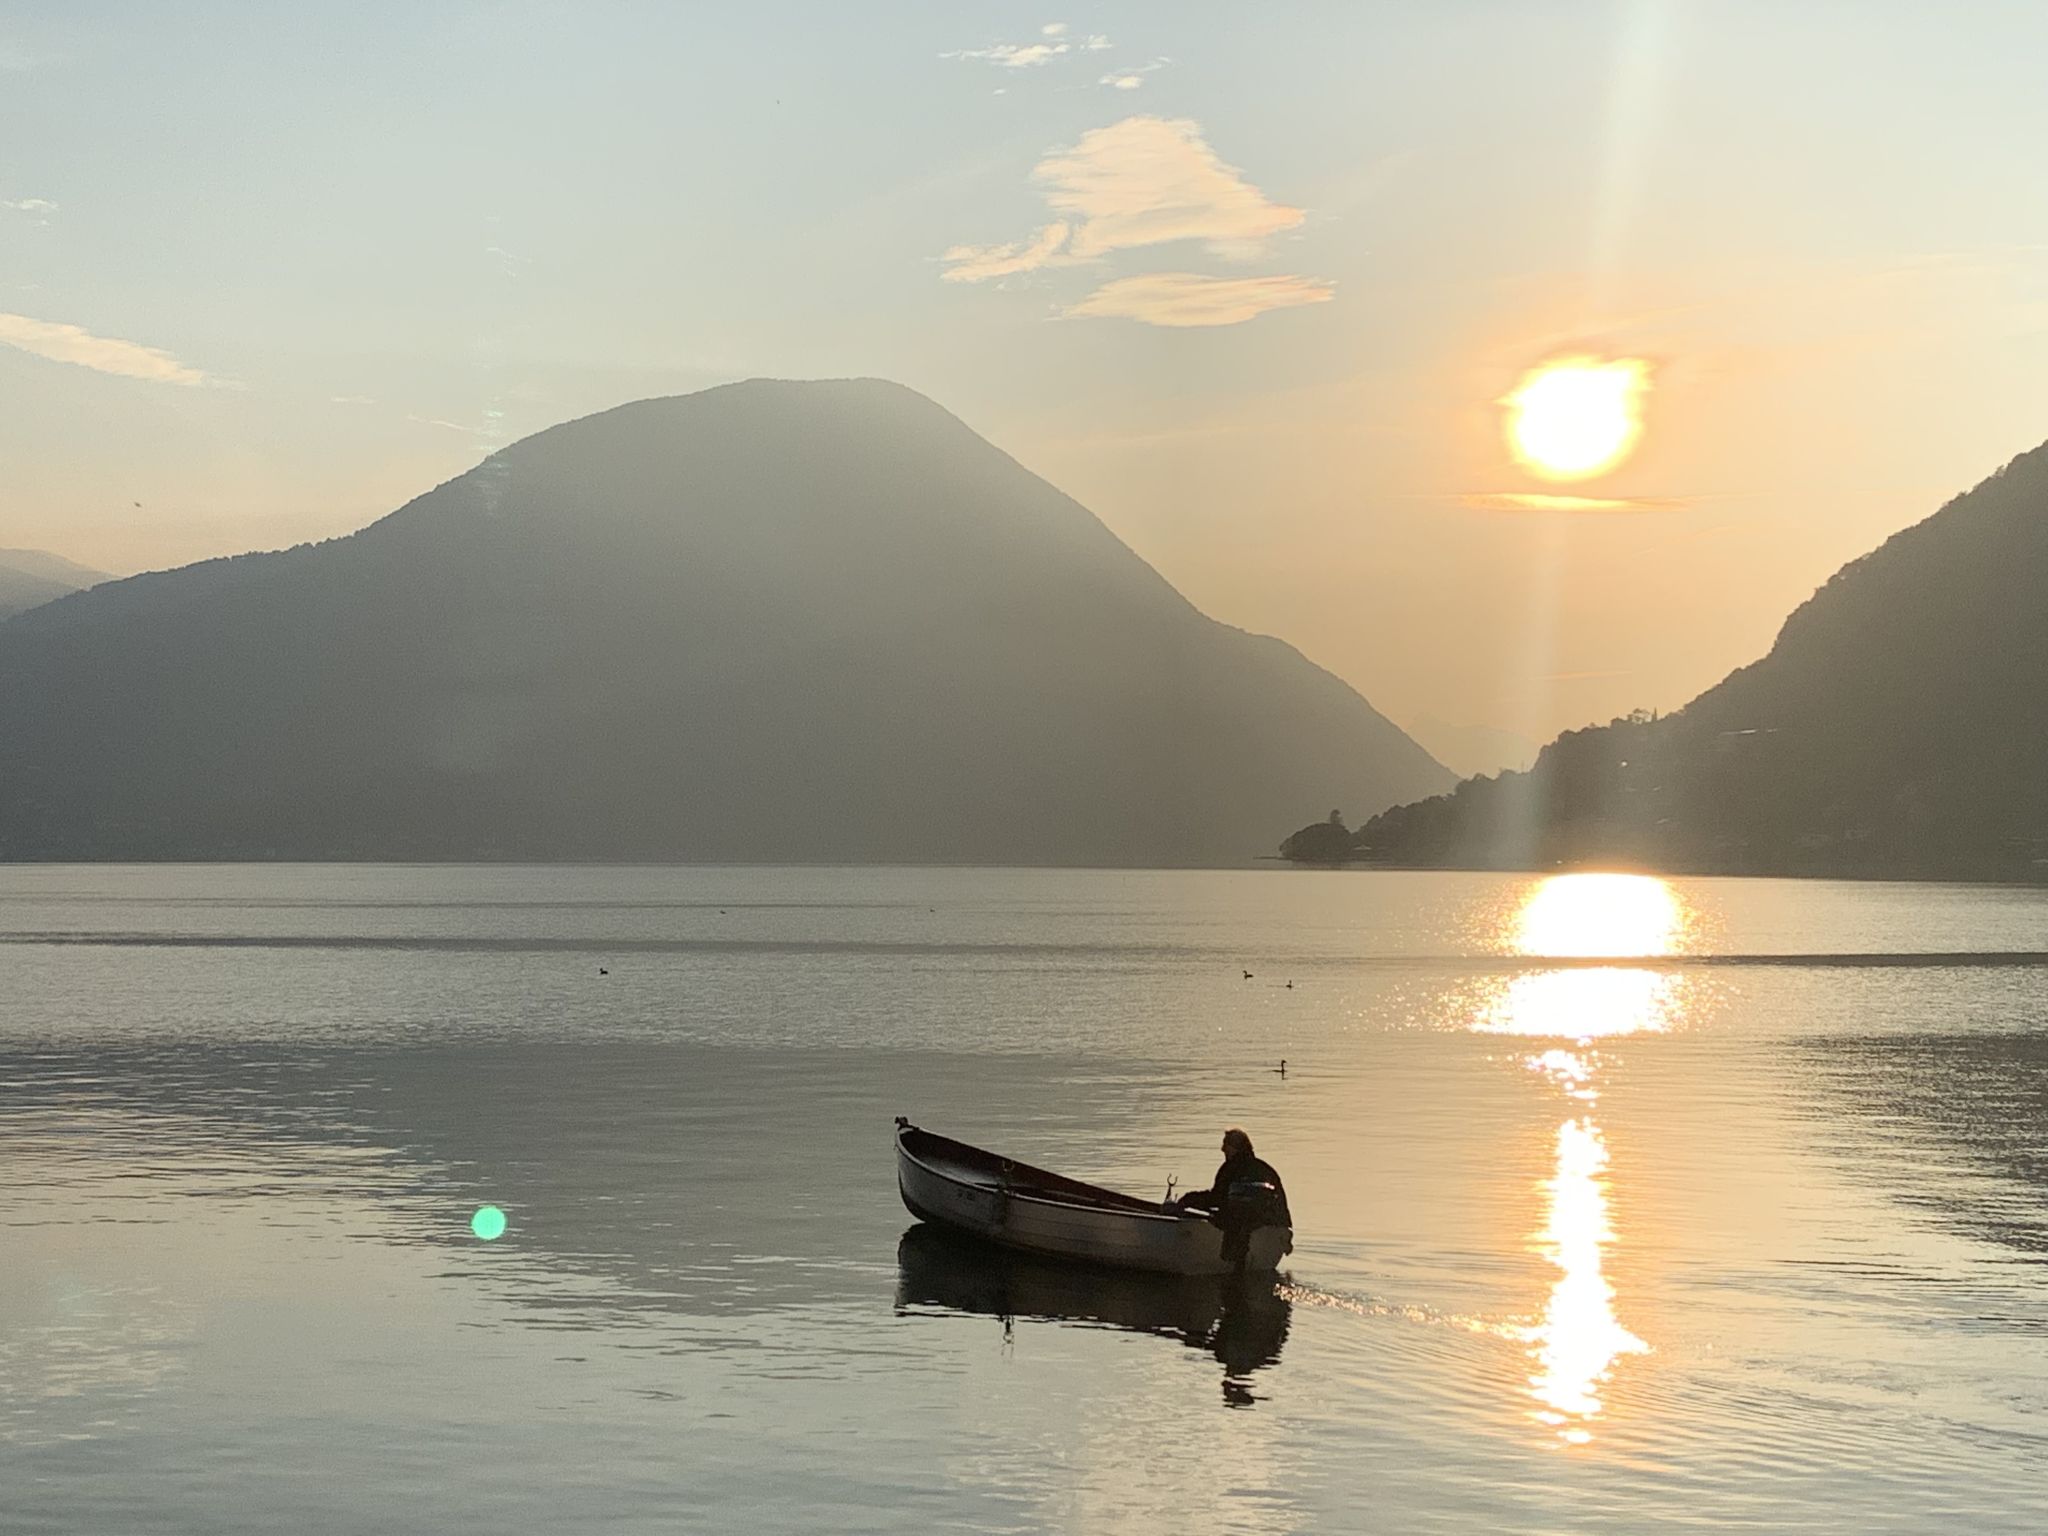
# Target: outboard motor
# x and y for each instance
(1248, 1205)
(1253, 1203)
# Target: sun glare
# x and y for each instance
(1583, 915)
(1577, 417)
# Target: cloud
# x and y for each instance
(1518, 501)
(1188, 299)
(977, 263)
(1131, 79)
(106, 354)
(508, 263)
(1149, 180)
(1030, 55)
(1143, 181)
(1012, 55)
(34, 206)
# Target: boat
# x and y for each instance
(1000, 1200)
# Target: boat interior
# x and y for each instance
(974, 1165)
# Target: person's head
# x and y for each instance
(1236, 1144)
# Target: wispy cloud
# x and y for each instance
(1053, 42)
(1143, 181)
(35, 207)
(1131, 79)
(1519, 501)
(509, 263)
(104, 354)
(451, 426)
(1189, 299)
(977, 263)
(1011, 55)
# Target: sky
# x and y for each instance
(1251, 282)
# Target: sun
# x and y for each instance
(1576, 417)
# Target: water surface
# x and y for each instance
(1746, 1230)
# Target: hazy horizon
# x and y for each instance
(263, 279)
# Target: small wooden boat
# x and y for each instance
(1001, 1200)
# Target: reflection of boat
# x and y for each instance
(1242, 1322)
(986, 1195)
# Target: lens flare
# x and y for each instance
(1576, 417)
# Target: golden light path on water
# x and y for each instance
(1579, 1338)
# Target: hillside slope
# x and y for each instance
(31, 577)
(770, 621)
(1899, 726)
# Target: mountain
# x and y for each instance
(32, 577)
(771, 621)
(1899, 726)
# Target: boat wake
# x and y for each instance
(1302, 1295)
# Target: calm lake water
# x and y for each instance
(1749, 1234)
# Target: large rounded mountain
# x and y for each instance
(771, 621)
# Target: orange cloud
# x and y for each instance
(105, 354)
(1143, 181)
(1149, 180)
(977, 263)
(1519, 501)
(1188, 299)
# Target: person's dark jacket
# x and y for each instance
(1250, 1171)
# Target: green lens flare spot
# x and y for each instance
(488, 1223)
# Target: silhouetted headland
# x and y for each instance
(1898, 727)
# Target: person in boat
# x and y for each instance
(1246, 1195)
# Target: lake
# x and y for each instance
(1749, 1232)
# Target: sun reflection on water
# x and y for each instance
(1581, 1005)
(1589, 916)
(1578, 1339)
(1575, 916)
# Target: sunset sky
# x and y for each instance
(1249, 281)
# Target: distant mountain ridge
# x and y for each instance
(772, 621)
(1898, 726)
(31, 577)
(1471, 750)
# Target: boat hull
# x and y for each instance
(953, 1192)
